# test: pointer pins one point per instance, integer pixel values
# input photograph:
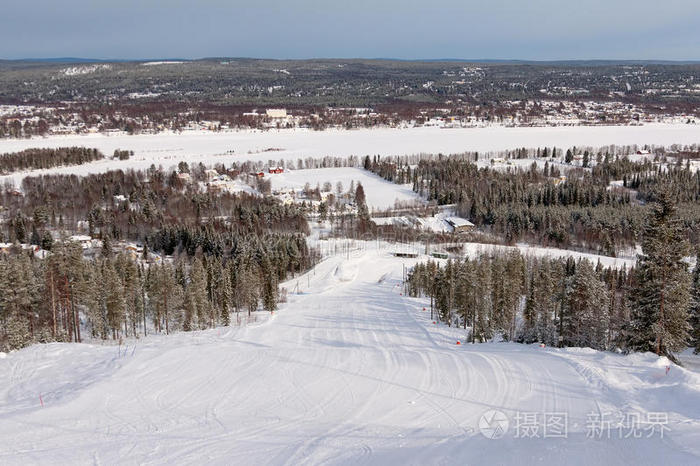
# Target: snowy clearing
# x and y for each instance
(381, 194)
(168, 149)
(348, 372)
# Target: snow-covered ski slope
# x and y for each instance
(167, 149)
(348, 372)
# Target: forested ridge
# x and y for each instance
(229, 253)
(534, 204)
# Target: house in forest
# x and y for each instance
(85, 241)
(459, 225)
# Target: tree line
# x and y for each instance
(33, 159)
(654, 306)
(68, 297)
(133, 205)
(534, 203)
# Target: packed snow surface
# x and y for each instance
(168, 149)
(349, 371)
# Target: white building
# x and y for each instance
(276, 112)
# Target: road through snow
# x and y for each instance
(348, 372)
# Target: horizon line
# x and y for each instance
(69, 59)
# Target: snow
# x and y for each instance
(459, 222)
(441, 222)
(436, 224)
(168, 149)
(85, 69)
(379, 193)
(690, 359)
(349, 371)
(166, 62)
(398, 221)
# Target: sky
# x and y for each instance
(406, 29)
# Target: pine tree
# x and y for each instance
(94, 300)
(544, 303)
(483, 329)
(528, 333)
(587, 317)
(20, 228)
(322, 212)
(16, 302)
(197, 289)
(695, 304)
(226, 298)
(190, 312)
(661, 298)
(114, 298)
(269, 285)
(166, 294)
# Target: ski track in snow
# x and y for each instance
(349, 371)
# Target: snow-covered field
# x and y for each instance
(348, 372)
(380, 193)
(168, 149)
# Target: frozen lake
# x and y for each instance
(168, 149)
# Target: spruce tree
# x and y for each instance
(695, 304)
(483, 328)
(268, 280)
(569, 156)
(661, 297)
(587, 316)
(361, 202)
(543, 304)
(527, 334)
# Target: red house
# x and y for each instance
(276, 170)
